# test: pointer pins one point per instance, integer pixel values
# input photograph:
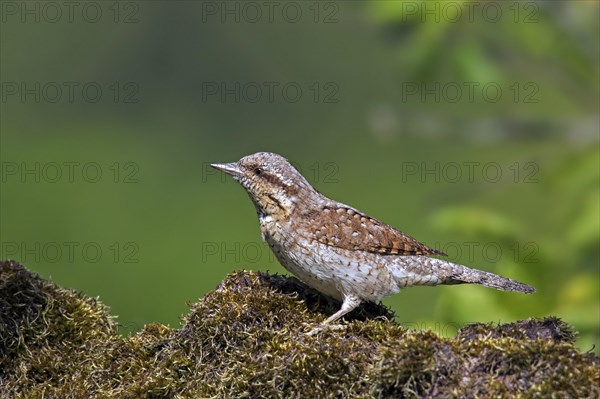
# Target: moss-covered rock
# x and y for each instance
(247, 338)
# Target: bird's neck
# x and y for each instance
(280, 205)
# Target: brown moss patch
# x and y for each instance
(247, 338)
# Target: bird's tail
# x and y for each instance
(473, 276)
(440, 271)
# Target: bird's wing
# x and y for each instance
(347, 228)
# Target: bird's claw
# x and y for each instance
(322, 327)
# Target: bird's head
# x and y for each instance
(272, 182)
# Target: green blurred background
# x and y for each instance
(472, 127)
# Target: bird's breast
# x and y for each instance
(332, 271)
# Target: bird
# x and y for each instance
(338, 250)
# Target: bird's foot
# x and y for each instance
(322, 327)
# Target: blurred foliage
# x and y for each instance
(355, 150)
(555, 252)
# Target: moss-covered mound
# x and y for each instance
(248, 339)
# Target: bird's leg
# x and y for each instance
(350, 303)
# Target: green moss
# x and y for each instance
(247, 338)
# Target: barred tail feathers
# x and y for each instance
(495, 281)
(423, 270)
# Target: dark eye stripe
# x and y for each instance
(271, 178)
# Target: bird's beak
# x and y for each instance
(229, 168)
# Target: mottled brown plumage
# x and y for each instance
(337, 249)
(346, 228)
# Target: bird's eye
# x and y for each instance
(258, 171)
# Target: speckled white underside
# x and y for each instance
(337, 272)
